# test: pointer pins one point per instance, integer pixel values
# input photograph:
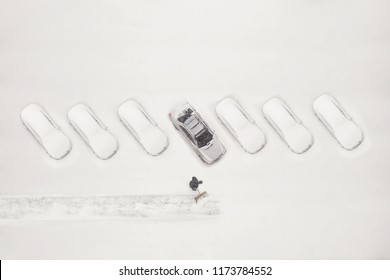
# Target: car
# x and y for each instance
(94, 133)
(339, 123)
(287, 124)
(240, 125)
(197, 133)
(143, 128)
(46, 131)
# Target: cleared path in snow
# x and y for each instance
(59, 207)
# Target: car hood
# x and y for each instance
(213, 151)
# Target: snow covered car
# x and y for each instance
(94, 133)
(287, 124)
(46, 131)
(240, 125)
(143, 128)
(197, 133)
(339, 123)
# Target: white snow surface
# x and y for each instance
(95, 207)
(327, 203)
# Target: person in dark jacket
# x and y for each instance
(194, 185)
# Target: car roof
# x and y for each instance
(194, 124)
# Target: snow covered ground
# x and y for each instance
(326, 203)
(90, 207)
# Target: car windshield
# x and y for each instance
(203, 138)
(185, 115)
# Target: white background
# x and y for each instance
(326, 203)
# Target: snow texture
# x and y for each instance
(327, 203)
(50, 207)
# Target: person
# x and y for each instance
(194, 184)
